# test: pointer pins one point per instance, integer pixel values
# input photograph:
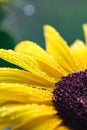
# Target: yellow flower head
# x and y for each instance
(50, 91)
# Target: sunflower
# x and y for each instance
(49, 89)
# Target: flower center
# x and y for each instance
(70, 100)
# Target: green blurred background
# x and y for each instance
(24, 19)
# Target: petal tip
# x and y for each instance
(84, 26)
(47, 27)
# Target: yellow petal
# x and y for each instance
(79, 52)
(42, 123)
(24, 94)
(46, 62)
(61, 127)
(57, 47)
(18, 114)
(85, 31)
(27, 62)
(11, 75)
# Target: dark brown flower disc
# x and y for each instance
(70, 100)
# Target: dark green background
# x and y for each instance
(67, 16)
